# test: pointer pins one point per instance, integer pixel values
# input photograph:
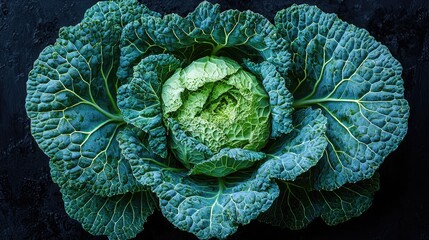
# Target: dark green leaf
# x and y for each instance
(298, 151)
(74, 117)
(213, 208)
(355, 81)
(281, 99)
(118, 217)
(140, 100)
(297, 205)
(227, 161)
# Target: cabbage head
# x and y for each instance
(215, 118)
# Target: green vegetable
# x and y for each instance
(216, 118)
(220, 105)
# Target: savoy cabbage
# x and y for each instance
(216, 118)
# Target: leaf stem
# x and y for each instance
(306, 102)
(216, 49)
(104, 112)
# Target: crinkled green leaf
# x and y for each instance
(118, 12)
(187, 149)
(117, 217)
(342, 70)
(71, 104)
(213, 208)
(139, 100)
(298, 151)
(297, 205)
(218, 103)
(152, 35)
(145, 164)
(227, 161)
(204, 17)
(205, 206)
(277, 53)
(242, 28)
(281, 99)
(71, 101)
(201, 72)
(205, 31)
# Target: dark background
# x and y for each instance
(31, 206)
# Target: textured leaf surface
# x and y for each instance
(146, 165)
(187, 149)
(217, 104)
(205, 31)
(118, 12)
(205, 206)
(227, 161)
(342, 70)
(105, 163)
(298, 151)
(199, 73)
(118, 217)
(140, 100)
(281, 99)
(297, 205)
(213, 208)
(71, 104)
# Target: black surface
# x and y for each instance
(31, 206)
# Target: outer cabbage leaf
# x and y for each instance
(342, 70)
(299, 205)
(74, 118)
(187, 150)
(280, 98)
(205, 31)
(145, 164)
(118, 217)
(298, 151)
(213, 207)
(140, 101)
(118, 12)
(227, 161)
(207, 207)
(144, 36)
(242, 28)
